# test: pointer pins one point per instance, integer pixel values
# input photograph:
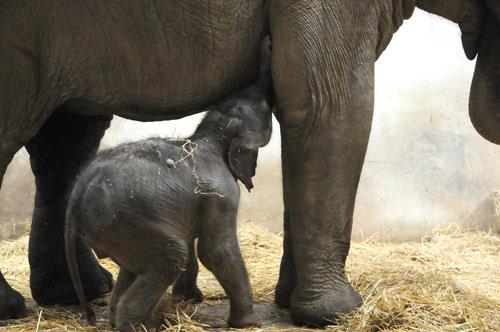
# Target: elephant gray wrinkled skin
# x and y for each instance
(66, 67)
(144, 203)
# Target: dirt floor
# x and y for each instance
(449, 281)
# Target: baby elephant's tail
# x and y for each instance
(71, 238)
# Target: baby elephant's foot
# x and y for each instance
(192, 294)
(241, 321)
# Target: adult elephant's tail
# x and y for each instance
(70, 242)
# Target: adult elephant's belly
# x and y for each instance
(163, 63)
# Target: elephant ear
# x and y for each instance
(242, 162)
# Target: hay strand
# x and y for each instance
(450, 281)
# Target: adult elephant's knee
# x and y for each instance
(323, 77)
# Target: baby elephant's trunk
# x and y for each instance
(70, 241)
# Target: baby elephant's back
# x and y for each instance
(149, 181)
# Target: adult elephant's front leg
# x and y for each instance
(323, 76)
(62, 146)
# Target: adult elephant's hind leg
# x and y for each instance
(323, 77)
(18, 123)
(62, 146)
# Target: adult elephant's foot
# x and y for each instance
(96, 281)
(51, 283)
(324, 308)
(322, 292)
(11, 302)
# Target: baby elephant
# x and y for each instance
(143, 204)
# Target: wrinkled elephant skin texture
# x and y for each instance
(65, 68)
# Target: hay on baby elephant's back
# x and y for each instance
(449, 281)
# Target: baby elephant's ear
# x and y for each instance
(242, 162)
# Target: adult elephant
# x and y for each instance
(67, 66)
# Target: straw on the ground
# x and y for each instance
(449, 281)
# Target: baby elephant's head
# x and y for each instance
(240, 126)
(243, 121)
(249, 121)
(249, 128)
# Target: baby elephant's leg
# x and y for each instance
(156, 263)
(185, 287)
(221, 255)
(125, 279)
(136, 306)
